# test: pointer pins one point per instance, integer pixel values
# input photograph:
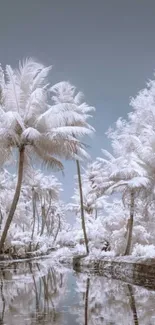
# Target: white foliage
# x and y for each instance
(32, 232)
(144, 251)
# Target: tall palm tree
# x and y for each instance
(73, 111)
(29, 123)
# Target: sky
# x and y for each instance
(106, 48)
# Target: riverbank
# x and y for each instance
(131, 269)
(137, 271)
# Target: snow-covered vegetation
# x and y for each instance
(39, 215)
(114, 197)
(119, 186)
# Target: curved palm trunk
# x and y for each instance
(15, 198)
(82, 208)
(130, 225)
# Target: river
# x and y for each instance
(41, 292)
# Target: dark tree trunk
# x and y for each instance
(15, 198)
(130, 226)
(133, 305)
(86, 301)
(82, 207)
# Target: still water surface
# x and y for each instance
(43, 293)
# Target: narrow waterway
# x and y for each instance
(44, 293)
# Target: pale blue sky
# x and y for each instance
(105, 48)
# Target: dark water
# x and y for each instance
(43, 293)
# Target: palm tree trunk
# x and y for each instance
(35, 288)
(130, 225)
(43, 219)
(58, 229)
(34, 217)
(15, 198)
(82, 208)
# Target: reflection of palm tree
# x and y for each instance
(48, 283)
(86, 301)
(132, 304)
(3, 302)
(35, 288)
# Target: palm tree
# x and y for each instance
(75, 112)
(29, 123)
(125, 174)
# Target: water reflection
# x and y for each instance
(30, 294)
(2, 302)
(133, 304)
(42, 293)
(104, 301)
(86, 301)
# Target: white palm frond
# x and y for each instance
(2, 86)
(8, 138)
(14, 122)
(25, 76)
(76, 131)
(82, 154)
(63, 92)
(56, 117)
(41, 78)
(27, 71)
(115, 187)
(36, 105)
(134, 183)
(138, 182)
(48, 160)
(30, 135)
(58, 145)
(78, 98)
(107, 154)
(104, 161)
(85, 108)
(12, 100)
